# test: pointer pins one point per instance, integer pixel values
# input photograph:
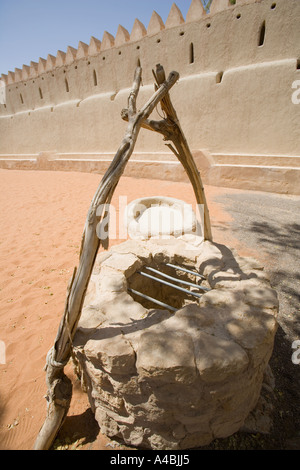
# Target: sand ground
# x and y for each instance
(42, 220)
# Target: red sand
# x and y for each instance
(42, 220)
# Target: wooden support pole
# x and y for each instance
(171, 130)
(59, 386)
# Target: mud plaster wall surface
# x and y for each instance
(234, 93)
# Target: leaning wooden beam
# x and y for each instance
(170, 128)
(59, 386)
(182, 152)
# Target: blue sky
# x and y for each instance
(30, 29)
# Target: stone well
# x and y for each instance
(161, 379)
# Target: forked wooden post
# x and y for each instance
(59, 392)
(171, 130)
(182, 151)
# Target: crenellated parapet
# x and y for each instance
(233, 34)
(238, 96)
(139, 31)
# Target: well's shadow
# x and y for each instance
(282, 243)
(83, 428)
(277, 244)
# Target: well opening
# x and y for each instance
(167, 284)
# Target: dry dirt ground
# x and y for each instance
(267, 226)
(42, 219)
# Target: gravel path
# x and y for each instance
(269, 224)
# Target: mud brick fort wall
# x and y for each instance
(236, 99)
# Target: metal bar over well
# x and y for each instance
(184, 270)
(162, 304)
(169, 284)
(191, 284)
